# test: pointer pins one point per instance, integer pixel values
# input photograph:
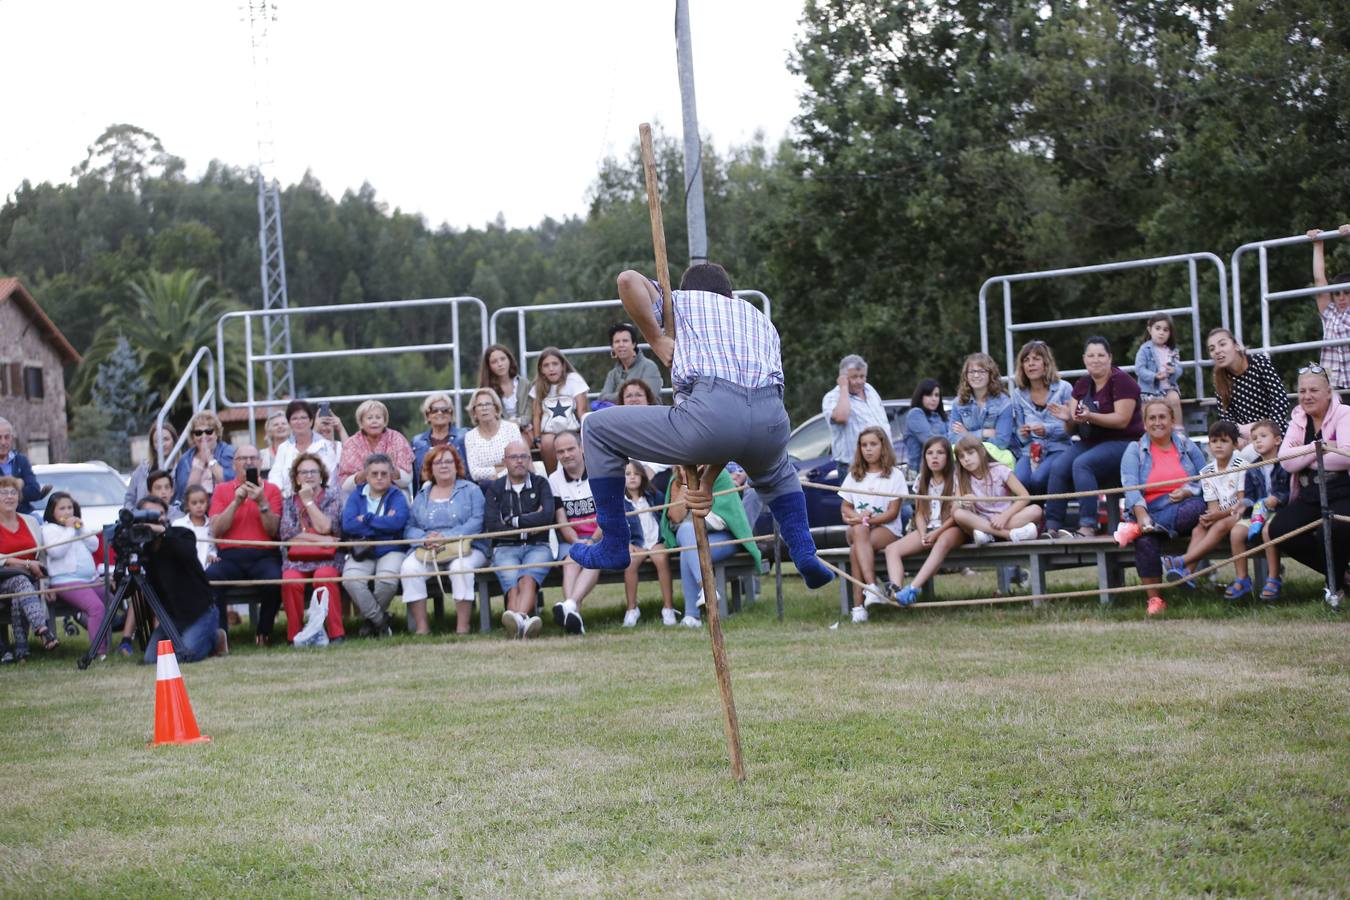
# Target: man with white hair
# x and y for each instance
(16, 465)
(849, 407)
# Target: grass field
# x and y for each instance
(1067, 750)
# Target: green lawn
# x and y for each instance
(1005, 751)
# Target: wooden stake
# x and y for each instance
(691, 476)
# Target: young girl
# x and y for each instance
(559, 400)
(645, 534)
(994, 515)
(500, 372)
(71, 566)
(982, 406)
(198, 502)
(934, 529)
(874, 522)
(1157, 365)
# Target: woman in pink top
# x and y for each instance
(1002, 510)
(375, 436)
(1320, 415)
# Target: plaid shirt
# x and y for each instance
(1336, 327)
(725, 338)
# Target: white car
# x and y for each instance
(96, 486)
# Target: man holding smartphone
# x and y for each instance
(246, 509)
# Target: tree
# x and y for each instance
(119, 407)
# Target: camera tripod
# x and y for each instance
(131, 577)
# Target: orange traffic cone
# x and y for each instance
(174, 722)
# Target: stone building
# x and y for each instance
(33, 357)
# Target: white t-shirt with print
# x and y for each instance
(892, 482)
(576, 500)
(1224, 488)
(558, 405)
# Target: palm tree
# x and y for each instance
(171, 315)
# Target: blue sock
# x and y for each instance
(612, 550)
(789, 511)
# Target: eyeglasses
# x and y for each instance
(443, 461)
(439, 411)
(379, 473)
(517, 456)
(486, 404)
(303, 472)
(977, 371)
(247, 459)
(8, 492)
(1312, 368)
(198, 432)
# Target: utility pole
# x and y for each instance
(693, 145)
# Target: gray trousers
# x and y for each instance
(374, 606)
(718, 421)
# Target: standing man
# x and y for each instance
(575, 501)
(1333, 308)
(16, 465)
(247, 510)
(849, 407)
(519, 499)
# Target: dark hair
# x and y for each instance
(542, 386)
(707, 277)
(926, 387)
(295, 470)
(1343, 278)
(49, 514)
(1171, 329)
(646, 485)
(1223, 379)
(652, 399)
(574, 435)
(376, 459)
(296, 406)
(1098, 339)
(485, 371)
(858, 469)
(1041, 349)
(1274, 427)
(153, 500)
(925, 481)
(193, 490)
(436, 453)
(624, 326)
(156, 475)
(1224, 428)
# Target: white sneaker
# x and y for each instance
(512, 624)
(630, 618)
(1027, 532)
(982, 538)
(691, 622)
(703, 601)
(871, 599)
(533, 625)
(668, 617)
(859, 615)
(572, 622)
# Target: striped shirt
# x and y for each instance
(1225, 488)
(725, 338)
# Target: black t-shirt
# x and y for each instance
(1119, 386)
(175, 573)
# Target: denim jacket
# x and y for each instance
(462, 515)
(1025, 412)
(421, 443)
(1137, 463)
(996, 414)
(223, 454)
(1265, 481)
(359, 525)
(920, 425)
(1147, 363)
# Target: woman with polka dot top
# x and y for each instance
(1246, 384)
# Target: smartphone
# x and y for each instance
(251, 475)
(325, 409)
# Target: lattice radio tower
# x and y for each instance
(276, 329)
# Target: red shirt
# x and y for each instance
(1166, 467)
(13, 543)
(247, 524)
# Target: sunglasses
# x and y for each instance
(439, 410)
(1312, 368)
(198, 432)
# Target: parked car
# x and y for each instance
(96, 486)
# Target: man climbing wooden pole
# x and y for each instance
(727, 371)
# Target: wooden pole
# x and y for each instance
(691, 476)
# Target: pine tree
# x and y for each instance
(119, 407)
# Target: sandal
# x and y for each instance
(126, 648)
(49, 641)
(1270, 592)
(1174, 569)
(1237, 589)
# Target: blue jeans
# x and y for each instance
(199, 639)
(241, 564)
(691, 575)
(1038, 482)
(521, 555)
(1082, 468)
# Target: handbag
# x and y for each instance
(309, 551)
(444, 553)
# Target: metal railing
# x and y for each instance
(1012, 327)
(202, 361)
(524, 353)
(251, 359)
(1268, 296)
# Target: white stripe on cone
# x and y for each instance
(166, 667)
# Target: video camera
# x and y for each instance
(133, 529)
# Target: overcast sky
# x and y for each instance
(457, 110)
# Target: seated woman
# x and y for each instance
(303, 439)
(375, 436)
(136, 486)
(485, 444)
(636, 392)
(934, 528)
(559, 396)
(727, 520)
(1039, 436)
(448, 506)
(311, 521)
(925, 418)
(1160, 502)
(873, 521)
(376, 511)
(438, 411)
(500, 372)
(277, 432)
(208, 462)
(1320, 415)
(70, 559)
(645, 536)
(982, 406)
(1002, 511)
(21, 570)
(1104, 412)
(629, 364)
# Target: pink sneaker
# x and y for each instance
(1156, 606)
(1126, 532)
